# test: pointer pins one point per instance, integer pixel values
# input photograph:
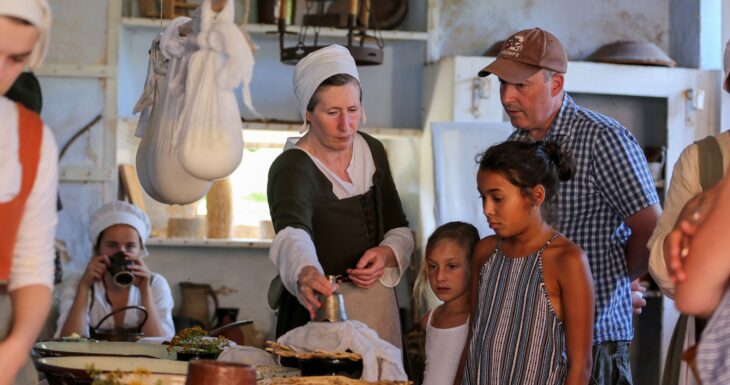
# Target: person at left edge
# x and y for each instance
(28, 186)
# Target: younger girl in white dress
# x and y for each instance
(447, 269)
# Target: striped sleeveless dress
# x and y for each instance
(517, 338)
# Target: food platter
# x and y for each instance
(153, 379)
(74, 370)
(128, 349)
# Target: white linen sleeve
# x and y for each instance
(684, 185)
(34, 252)
(163, 303)
(68, 289)
(291, 251)
(400, 240)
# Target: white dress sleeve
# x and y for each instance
(163, 302)
(68, 290)
(684, 185)
(291, 251)
(34, 252)
(400, 240)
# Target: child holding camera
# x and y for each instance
(117, 277)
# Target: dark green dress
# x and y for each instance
(300, 196)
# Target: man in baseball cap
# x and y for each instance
(609, 208)
(525, 53)
(28, 185)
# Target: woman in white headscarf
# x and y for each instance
(28, 184)
(117, 227)
(334, 205)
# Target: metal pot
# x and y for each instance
(119, 334)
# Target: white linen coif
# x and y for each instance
(119, 213)
(315, 68)
(37, 13)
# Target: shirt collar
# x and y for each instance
(559, 130)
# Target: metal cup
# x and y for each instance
(118, 269)
(333, 307)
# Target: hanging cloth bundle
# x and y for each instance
(190, 123)
(211, 143)
(158, 167)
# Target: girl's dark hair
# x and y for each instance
(528, 164)
(334, 80)
(465, 234)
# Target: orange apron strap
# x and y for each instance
(30, 137)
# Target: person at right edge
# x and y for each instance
(609, 208)
(691, 192)
(28, 185)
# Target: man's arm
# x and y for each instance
(684, 185)
(31, 305)
(642, 224)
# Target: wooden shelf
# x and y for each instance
(219, 243)
(142, 22)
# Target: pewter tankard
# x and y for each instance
(333, 307)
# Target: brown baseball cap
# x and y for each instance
(525, 53)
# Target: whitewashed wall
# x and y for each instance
(246, 271)
(391, 91)
(469, 27)
(77, 81)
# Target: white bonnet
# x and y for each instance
(726, 66)
(37, 13)
(119, 213)
(316, 67)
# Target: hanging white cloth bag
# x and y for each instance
(158, 167)
(211, 141)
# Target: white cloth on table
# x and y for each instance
(293, 249)
(381, 360)
(100, 308)
(247, 355)
(34, 253)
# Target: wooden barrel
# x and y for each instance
(220, 209)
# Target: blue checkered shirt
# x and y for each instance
(612, 182)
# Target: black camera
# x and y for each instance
(119, 269)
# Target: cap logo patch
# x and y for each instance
(513, 46)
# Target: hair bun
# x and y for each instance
(562, 160)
